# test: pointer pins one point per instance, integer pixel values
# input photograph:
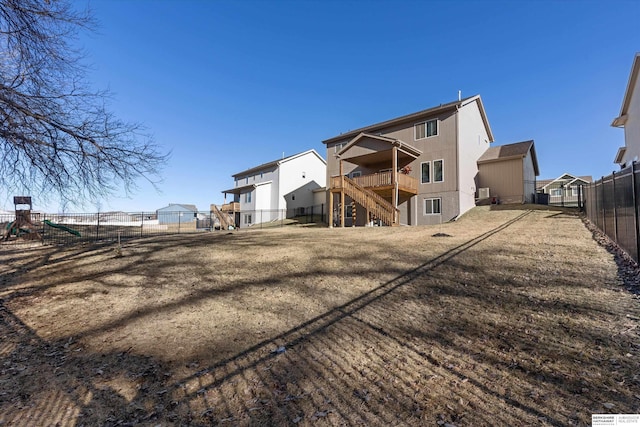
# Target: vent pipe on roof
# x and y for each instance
(459, 95)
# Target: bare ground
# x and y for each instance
(508, 317)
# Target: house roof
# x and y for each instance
(565, 178)
(509, 152)
(275, 163)
(626, 101)
(405, 152)
(186, 206)
(242, 189)
(620, 155)
(403, 146)
(417, 116)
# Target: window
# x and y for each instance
(246, 180)
(247, 218)
(556, 192)
(338, 147)
(247, 197)
(426, 129)
(425, 172)
(432, 206)
(355, 174)
(438, 170)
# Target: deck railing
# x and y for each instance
(384, 179)
(230, 207)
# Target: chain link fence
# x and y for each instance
(72, 228)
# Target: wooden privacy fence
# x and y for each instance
(611, 203)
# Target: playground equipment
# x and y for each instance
(24, 225)
(62, 227)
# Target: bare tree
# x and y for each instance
(57, 136)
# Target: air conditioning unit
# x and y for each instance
(483, 193)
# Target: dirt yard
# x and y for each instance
(506, 317)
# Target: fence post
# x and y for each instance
(141, 224)
(635, 209)
(43, 228)
(98, 227)
(615, 210)
(322, 212)
(604, 208)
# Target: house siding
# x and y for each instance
(529, 179)
(175, 214)
(632, 126)
(504, 179)
(301, 176)
(473, 141)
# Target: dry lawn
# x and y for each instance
(516, 318)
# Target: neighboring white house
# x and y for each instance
(629, 118)
(278, 188)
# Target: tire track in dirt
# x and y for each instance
(263, 351)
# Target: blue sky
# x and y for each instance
(227, 85)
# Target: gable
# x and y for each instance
(416, 117)
(367, 149)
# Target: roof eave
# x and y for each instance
(406, 118)
(620, 155)
(633, 77)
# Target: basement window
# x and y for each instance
(432, 206)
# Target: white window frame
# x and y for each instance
(429, 174)
(426, 128)
(434, 170)
(430, 201)
(555, 192)
(356, 174)
(338, 147)
(247, 196)
(248, 219)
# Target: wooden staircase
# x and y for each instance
(375, 204)
(225, 220)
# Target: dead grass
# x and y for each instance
(517, 318)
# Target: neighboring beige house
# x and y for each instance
(413, 170)
(275, 190)
(507, 173)
(566, 189)
(629, 118)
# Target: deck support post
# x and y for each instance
(342, 208)
(330, 208)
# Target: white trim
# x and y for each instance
(355, 174)
(415, 138)
(434, 170)
(431, 199)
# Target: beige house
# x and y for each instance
(629, 118)
(413, 170)
(567, 189)
(507, 173)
